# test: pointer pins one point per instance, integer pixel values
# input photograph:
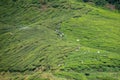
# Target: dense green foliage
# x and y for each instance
(103, 2)
(60, 40)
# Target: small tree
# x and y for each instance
(117, 5)
(100, 2)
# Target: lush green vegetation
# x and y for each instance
(104, 2)
(58, 40)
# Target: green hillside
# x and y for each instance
(58, 40)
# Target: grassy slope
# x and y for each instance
(30, 47)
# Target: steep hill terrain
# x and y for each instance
(58, 40)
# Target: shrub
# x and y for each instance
(117, 5)
(85, 0)
(100, 2)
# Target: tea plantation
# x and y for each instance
(59, 40)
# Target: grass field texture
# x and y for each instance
(58, 41)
